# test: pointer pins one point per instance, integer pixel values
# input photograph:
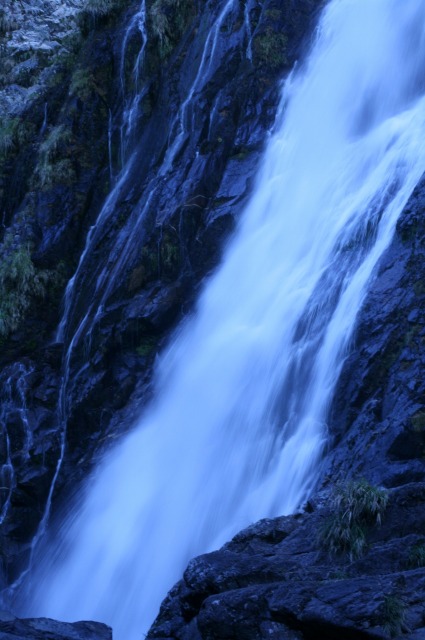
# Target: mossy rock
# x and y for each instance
(147, 346)
(418, 421)
(168, 21)
(15, 132)
(393, 615)
(270, 49)
(98, 12)
(417, 556)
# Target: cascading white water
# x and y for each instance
(238, 425)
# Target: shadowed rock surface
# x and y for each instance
(40, 628)
(276, 580)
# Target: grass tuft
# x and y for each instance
(357, 505)
(393, 614)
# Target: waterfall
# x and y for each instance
(238, 424)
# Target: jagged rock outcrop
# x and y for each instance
(275, 580)
(53, 131)
(378, 412)
(38, 628)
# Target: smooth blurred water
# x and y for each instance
(238, 424)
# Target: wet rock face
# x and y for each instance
(36, 628)
(177, 203)
(81, 124)
(275, 580)
(29, 445)
(378, 412)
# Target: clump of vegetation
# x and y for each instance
(357, 505)
(55, 165)
(14, 133)
(273, 15)
(147, 346)
(82, 84)
(102, 7)
(169, 253)
(6, 22)
(269, 49)
(59, 137)
(95, 11)
(418, 421)
(20, 284)
(8, 128)
(393, 615)
(169, 19)
(417, 556)
(240, 153)
(99, 7)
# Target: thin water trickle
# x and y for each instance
(132, 99)
(248, 30)
(182, 124)
(238, 424)
(71, 338)
(44, 123)
(95, 231)
(13, 403)
(7, 478)
(111, 170)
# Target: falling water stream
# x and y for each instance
(238, 424)
(132, 102)
(182, 124)
(13, 403)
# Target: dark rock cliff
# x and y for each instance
(93, 113)
(378, 411)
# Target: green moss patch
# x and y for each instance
(168, 20)
(146, 347)
(418, 421)
(269, 49)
